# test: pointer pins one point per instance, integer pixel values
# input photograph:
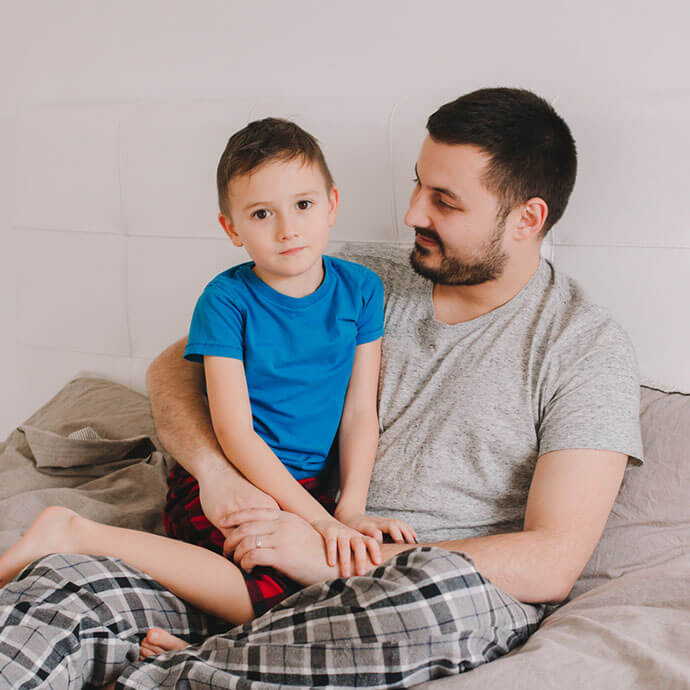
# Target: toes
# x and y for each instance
(156, 637)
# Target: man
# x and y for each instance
(508, 409)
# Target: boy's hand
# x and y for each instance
(342, 542)
(376, 527)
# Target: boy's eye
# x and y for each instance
(261, 214)
(304, 204)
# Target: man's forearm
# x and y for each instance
(527, 565)
(180, 413)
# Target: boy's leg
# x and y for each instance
(72, 621)
(199, 576)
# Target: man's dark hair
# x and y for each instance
(266, 140)
(532, 152)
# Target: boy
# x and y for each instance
(291, 348)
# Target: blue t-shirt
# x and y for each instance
(297, 352)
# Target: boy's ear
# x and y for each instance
(229, 228)
(333, 198)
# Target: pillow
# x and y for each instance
(650, 521)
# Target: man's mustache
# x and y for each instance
(431, 234)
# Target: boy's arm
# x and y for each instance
(183, 425)
(359, 431)
(231, 417)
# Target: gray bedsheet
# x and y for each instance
(93, 448)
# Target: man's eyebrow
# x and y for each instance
(441, 190)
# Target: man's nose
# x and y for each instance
(417, 216)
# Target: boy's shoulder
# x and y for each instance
(231, 280)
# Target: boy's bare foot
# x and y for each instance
(50, 533)
(158, 641)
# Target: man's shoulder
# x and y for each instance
(576, 321)
(387, 259)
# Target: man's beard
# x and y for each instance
(452, 271)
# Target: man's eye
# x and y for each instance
(261, 214)
(443, 204)
(304, 204)
(415, 179)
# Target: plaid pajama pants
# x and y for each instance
(71, 621)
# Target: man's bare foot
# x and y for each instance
(158, 641)
(51, 532)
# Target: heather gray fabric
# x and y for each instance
(466, 410)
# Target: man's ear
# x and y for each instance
(333, 198)
(533, 215)
(226, 223)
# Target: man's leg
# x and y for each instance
(72, 621)
(424, 614)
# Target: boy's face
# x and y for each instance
(281, 214)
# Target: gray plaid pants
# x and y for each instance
(71, 621)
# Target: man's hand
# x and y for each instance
(224, 492)
(287, 543)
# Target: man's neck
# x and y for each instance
(459, 303)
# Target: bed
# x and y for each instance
(93, 447)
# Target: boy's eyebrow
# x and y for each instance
(309, 192)
(442, 190)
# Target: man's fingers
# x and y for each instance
(248, 529)
(239, 517)
(262, 556)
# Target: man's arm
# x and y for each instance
(183, 424)
(569, 501)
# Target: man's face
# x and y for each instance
(459, 236)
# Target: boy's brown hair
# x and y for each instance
(266, 140)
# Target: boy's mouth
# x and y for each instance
(294, 250)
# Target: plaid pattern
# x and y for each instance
(71, 621)
(74, 621)
(184, 519)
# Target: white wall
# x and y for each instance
(118, 112)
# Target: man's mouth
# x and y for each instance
(425, 240)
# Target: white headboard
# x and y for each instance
(114, 232)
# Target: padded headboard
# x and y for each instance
(114, 250)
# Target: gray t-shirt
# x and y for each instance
(466, 409)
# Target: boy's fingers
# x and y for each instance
(360, 551)
(395, 533)
(374, 551)
(344, 551)
(331, 550)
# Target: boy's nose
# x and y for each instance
(287, 230)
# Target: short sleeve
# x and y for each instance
(596, 400)
(370, 322)
(217, 326)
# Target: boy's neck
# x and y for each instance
(293, 286)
